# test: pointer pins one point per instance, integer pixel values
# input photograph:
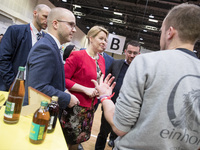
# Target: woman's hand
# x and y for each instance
(91, 92)
(105, 87)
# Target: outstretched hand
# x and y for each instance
(105, 87)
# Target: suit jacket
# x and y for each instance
(108, 62)
(115, 69)
(45, 71)
(14, 49)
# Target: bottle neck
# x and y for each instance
(43, 108)
(20, 75)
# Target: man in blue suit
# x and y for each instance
(44, 69)
(16, 44)
(118, 69)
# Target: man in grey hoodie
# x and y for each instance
(158, 105)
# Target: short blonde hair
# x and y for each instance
(95, 30)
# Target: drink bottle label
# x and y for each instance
(37, 131)
(9, 110)
(51, 123)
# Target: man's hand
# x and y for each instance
(73, 101)
(105, 87)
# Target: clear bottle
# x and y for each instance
(39, 124)
(15, 98)
(54, 111)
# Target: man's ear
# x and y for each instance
(55, 24)
(171, 32)
(124, 51)
(34, 13)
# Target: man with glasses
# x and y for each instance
(44, 69)
(118, 69)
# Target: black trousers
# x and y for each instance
(105, 129)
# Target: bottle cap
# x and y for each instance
(44, 103)
(54, 98)
(21, 68)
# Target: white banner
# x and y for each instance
(115, 44)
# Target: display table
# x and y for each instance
(16, 136)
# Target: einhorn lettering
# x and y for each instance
(183, 137)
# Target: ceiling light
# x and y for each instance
(78, 17)
(151, 28)
(64, 0)
(77, 13)
(153, 20)
(116, 20)
(151, 16)
(77, 6)
(117, 13)
(144, 30)
(141, 39)
(88, 27)
(105, 7)
(111, 23)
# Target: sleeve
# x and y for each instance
(7, 50)
(41, 71)
(129, 101)
(70, 67)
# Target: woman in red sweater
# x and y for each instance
(80, 68)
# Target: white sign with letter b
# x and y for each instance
(115, 44)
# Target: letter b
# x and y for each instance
(115, 44)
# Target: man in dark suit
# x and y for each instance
(44, 69)
(118, 69)
(16, 44)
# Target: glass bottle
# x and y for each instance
(15, 98)
(39, 124)
(54, 111)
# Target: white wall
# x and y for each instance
(79, 38)
(21, 11)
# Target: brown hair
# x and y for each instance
(185, 18)
(133, 43)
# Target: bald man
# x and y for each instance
(44, 69)
(16, 44)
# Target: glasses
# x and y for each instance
(71, 24)
(134, 53)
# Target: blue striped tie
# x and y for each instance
(39, 35)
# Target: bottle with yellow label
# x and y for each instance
(39, 124)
